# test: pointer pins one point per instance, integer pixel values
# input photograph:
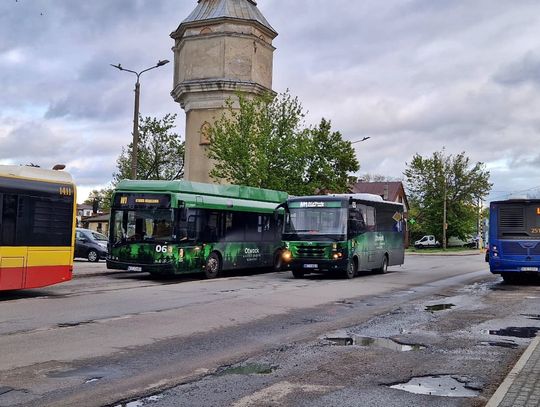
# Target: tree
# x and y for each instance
(330, 160)
(100, 199)
(160, 152)
(446, 181)
(367, 177)
(263, 143)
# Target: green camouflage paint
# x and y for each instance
(361, 246)
(180, 259)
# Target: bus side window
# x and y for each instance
(211, 227)
(1, 206)
(254, 229)
(9, 220)
(235, 226)
(356, 223)
(192, 226)
(267, 225)
(370, 218)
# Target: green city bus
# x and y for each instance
(175, 227)
(343, 233)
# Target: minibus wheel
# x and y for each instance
(384, 266)
(350, 271)
(297, 274)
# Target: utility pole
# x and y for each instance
(444, 218)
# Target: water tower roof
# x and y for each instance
(233, 9)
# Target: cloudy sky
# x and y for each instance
(414, 75)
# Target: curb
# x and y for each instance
(103, 273)
(444, 254)
(498, 396)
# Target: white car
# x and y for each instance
(427, 241)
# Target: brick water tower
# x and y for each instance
(222, 47)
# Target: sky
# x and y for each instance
(415, 76)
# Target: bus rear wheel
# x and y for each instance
(384, 266)
(510, 278)
(278, 261)
(213, 266)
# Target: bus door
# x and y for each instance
(12, 268)
(369, 243)
(12, 258)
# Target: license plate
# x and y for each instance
(311, 266)
(529, 269)
(134, 268)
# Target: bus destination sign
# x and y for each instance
(315, 204)
(142, 200)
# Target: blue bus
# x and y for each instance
(514, 238)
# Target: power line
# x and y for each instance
(516, 192)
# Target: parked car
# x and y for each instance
(427, 241)
(90, 245)
(470, 242)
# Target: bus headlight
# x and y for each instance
(286, 255)
(337, 256)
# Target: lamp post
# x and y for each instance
(359, 141)
(134, 148)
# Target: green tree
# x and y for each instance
(452, 178)
(264, 143)
(100, 198)
(160, 152)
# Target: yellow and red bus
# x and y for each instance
(37, 226)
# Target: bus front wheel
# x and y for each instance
(350, 271)
(213, 266)
(297, 274)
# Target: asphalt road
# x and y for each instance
(104, 338)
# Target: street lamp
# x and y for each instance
(136, 113)
(359, 141)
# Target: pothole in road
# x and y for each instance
(73, 324)
(438, 307)
(532, 316)
(516, 331)
(251, 368)
(437, 385)
(510, 345)
(378, 342)
(343, 341)
(141, 402)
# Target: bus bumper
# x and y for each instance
(144, 268)
(498, 266)
(315, 265)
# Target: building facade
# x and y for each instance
(221, 48)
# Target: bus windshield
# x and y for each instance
(305, 223)
(143, 225)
